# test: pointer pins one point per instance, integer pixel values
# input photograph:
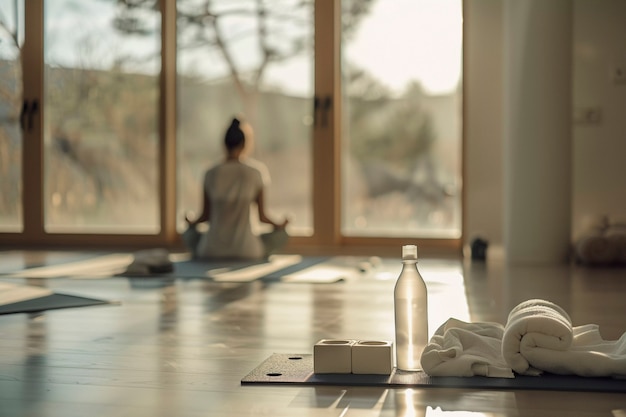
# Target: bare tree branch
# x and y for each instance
(12, 34)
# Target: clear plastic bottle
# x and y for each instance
(411, 312)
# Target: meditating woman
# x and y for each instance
(230, 189)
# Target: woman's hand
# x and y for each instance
(282, 225)
(189, 221)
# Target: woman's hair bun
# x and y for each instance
(234, 135)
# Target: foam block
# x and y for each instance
(372, 357)
(333, 356)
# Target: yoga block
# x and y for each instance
(372, 357)
(332, 356)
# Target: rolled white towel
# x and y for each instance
(534, 323)
(458, 348)
(539, 337)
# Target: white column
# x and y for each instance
(537, 130)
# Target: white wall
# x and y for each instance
(483, 179)
(599, 149)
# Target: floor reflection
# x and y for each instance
(408, 403)
(36, 335)
(36, 350)
(168, 305)
(345, 400)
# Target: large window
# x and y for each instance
(251, 59)
(111, 111)
(101, 130)
(402, 119)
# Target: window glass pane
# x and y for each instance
(11, 41)
(102, 61)
(254, 59)
(401, 158)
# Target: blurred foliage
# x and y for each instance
(102, 130)
(10, 108)
(394, 130)
(281, 29)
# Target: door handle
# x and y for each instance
(320, 110)
(328, 103)
(316, 109)
(34, 108)
(23, 115)
(27, 115)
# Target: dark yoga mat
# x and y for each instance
(50, 302)
(298, 370)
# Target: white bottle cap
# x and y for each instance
(409, 252)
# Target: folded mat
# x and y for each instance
(466, 349)
(539, 336)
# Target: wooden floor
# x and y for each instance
(181, 347)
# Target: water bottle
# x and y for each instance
(411, 312)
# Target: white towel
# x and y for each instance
(466, 349)
(539, 337)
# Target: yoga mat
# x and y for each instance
(287, 268)
(99, 267)
(297, 369)
(254, 272)
(114, 265)
(50, 302)
(320, 274)
(313, 270)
